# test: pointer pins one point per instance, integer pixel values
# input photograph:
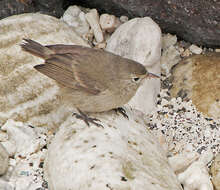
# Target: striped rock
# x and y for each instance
(25, 94)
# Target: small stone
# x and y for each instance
(123, 19)
(195, 49)
(169, 58)
(100, 45)
(186, 53)
(109, 22)
(168, 40)
(93, 19)
(75, 18)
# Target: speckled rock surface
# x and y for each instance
(197, 77)
(121, 155)
(25, 94)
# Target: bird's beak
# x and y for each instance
(151, 75)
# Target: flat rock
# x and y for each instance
(25, 94)
(194, 21)
(197, 78)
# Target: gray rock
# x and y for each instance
(12, 7)
(194, 21)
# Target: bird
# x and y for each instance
(91, 80)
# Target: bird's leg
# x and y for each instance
(86, 119)
(121, 111)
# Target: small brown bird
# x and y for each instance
(91, 80)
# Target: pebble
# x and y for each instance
(168, 40)
(75, 18)
(123, 19)
(109, 22)
(186, 53)
(195, 49)
(93, 19)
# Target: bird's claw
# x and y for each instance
(87, 119)
(122, 112)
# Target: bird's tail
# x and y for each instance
(36, 48)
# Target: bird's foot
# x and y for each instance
(86, 119)
(121, 111)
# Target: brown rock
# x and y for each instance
(198, 78)
(215, 172)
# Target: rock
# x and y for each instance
(192, 21)
(123, 19)
(215, 172)
(180, 162)
(93, 19)
(186, 53)
(197, 78)
(4, 157)
(140, 40)
(109, 22)
(195, 49)
(25, 94)
(22, 138)
(196, 176)
(74, 17)
(12, 7)
(4, 185)
(121, 155)
(169, 58)
(168, 40)
(3, 136)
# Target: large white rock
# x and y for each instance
(140, 39)
(25, 94)
(122, 155)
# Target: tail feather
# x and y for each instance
(36, 49)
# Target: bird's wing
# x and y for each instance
(63, 69)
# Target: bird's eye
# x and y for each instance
(136, 79)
